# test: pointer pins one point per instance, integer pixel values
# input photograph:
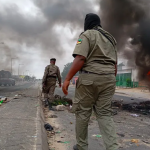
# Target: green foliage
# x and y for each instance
(59, 102)
(66, 70)
(128, 81)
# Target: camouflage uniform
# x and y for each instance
(95, 86)
(51, 73)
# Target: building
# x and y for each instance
(126, 76)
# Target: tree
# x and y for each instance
(66, 70)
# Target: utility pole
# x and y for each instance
(11, 64)
(18, 67)
(27, 72)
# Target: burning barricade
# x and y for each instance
(142, 107)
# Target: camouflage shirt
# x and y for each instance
(51, 70)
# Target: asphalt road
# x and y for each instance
(4, 90)
(19, 119)
(127, 127)
(126, 98)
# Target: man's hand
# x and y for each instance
(76, 66)
(60, 85)
(43, 86)
(65, 87)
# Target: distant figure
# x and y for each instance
(51, 74)
(96, 60)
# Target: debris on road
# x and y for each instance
(97, 135)
(142, 107)
(67, 142)
(134, 115)
(60, 108)
(120, 134)
(62, 100)
(3, 100)
(48, 127)
(57, 132)
(52, 116)
(16, 96)
(114, 112)
(135, 141)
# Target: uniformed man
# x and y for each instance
(96, 58)
(51, 74)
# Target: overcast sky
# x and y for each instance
(33, 31)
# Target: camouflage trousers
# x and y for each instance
(94, 93)
(49, 89)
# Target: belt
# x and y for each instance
(87, 72)
(52, 77)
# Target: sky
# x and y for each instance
(33, 31)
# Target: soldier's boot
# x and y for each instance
(50, 106)
(46, 102)
(75, 147)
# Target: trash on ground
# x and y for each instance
(62, 101)
(97, 135)
(52, 116)
(142, 107)
(146, 141)
(120, 134)
(34, 136)
(1, 102)
(3, 99)
(135, 141)
(16, 98)
(114, 112)
(48, 127)
(60, 107)
(37, 105)
(134, 115)
(58, 132)
(66, 142)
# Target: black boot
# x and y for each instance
(75, 147)
(46, 102)
(50, 106)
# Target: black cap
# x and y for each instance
(91, 20)
(54, 59)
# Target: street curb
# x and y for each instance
(42, 141)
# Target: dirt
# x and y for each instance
(133, 132)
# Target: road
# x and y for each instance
(127, 127)
(117, 96)
(20, 122)
(5, 90)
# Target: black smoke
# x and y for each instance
(130, 19)
(37, 33)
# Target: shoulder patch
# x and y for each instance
(79, 41)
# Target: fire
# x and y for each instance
(148, 73)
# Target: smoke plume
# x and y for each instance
(24, 35)
(129, 22)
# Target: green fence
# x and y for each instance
(124, 80)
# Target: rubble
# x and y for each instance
(48, 127)
(62, 100)
(142, 107)
(3, 100)
(60, 107)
